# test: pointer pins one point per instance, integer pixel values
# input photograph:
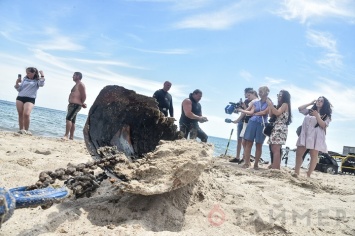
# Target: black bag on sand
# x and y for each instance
(268, 129)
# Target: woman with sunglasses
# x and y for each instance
(25, 100)
(313, 132)
(283, 117)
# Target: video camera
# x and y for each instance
(232, 107)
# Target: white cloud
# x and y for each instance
(180, 4)
(190, 4)
(221, 19)
(61, 43)
(272, 81)
(177, 51)
(134, 37)
(332, 58)
(50, 60)
(245, 75)
(107, 62)
(48, 39)
(306, 10)
(321, 39)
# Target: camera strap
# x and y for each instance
(262, 117)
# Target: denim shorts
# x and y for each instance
(239, 128)
(254, 131)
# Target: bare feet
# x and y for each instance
(270, 166)
(256, 167)
(245, 166)
(22, 131)
(294, 174)
(65, 138)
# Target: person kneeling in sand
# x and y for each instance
(191, 114)
(76, 99)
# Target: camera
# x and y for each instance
(232, 106)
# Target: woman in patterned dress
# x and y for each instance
(312, 136)
(283, 118)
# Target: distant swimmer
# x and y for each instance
(164, 99)
(76, 99)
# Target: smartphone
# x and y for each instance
(19, 76)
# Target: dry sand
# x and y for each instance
(224, 200)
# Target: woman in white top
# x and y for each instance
(26, 98)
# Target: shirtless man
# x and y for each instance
(76, 99)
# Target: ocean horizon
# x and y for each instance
(49, 122)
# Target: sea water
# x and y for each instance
(51, 123)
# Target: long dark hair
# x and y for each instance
(33, 70)
(286, 98)
(326, 108)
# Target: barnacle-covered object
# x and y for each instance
(132, 122)
(124, 123)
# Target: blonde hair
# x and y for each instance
(264, 89)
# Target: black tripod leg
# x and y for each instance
(305, 154)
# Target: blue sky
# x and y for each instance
(218, 46)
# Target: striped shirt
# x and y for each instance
(29, 87)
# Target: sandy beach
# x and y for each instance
(224, 200)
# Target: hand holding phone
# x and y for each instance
(19, 78)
